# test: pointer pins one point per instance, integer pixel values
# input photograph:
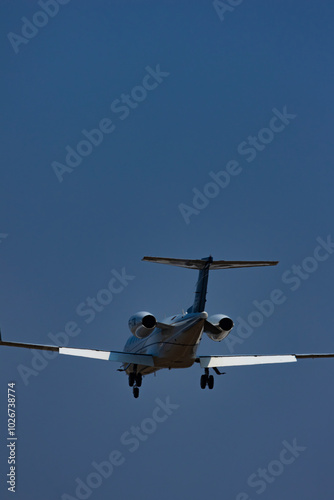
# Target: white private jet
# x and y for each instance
(173, 343)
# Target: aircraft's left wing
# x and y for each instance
(121, 357)
(220, 361)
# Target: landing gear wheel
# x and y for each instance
(132, 377)
(211, 382)
(204, 380)
(139, 379)
(136, 392)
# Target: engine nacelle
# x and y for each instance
(142, 324)
(222, 325)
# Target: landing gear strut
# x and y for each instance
(132, 378)
(135, 380)
(207, 380)
(139, 379)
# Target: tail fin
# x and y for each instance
(204, 265)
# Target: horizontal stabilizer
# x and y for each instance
(214, 264)
(118, 356)
(204, 266)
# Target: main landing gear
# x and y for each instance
(208, 380)
(135, 380)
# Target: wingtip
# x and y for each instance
(147, 258)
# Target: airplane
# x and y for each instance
(173, 343)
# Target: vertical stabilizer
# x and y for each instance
(201, 287)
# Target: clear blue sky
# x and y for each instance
(211, 88)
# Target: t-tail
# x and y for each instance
(204, 266)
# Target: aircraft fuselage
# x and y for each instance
(172, 347)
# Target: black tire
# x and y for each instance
(136, 392)
(211, 381)
(139, 379)
(132, 377)
(204, 380)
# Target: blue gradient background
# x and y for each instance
(121, 203)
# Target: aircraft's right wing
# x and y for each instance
(221, 361)
(121, 357)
